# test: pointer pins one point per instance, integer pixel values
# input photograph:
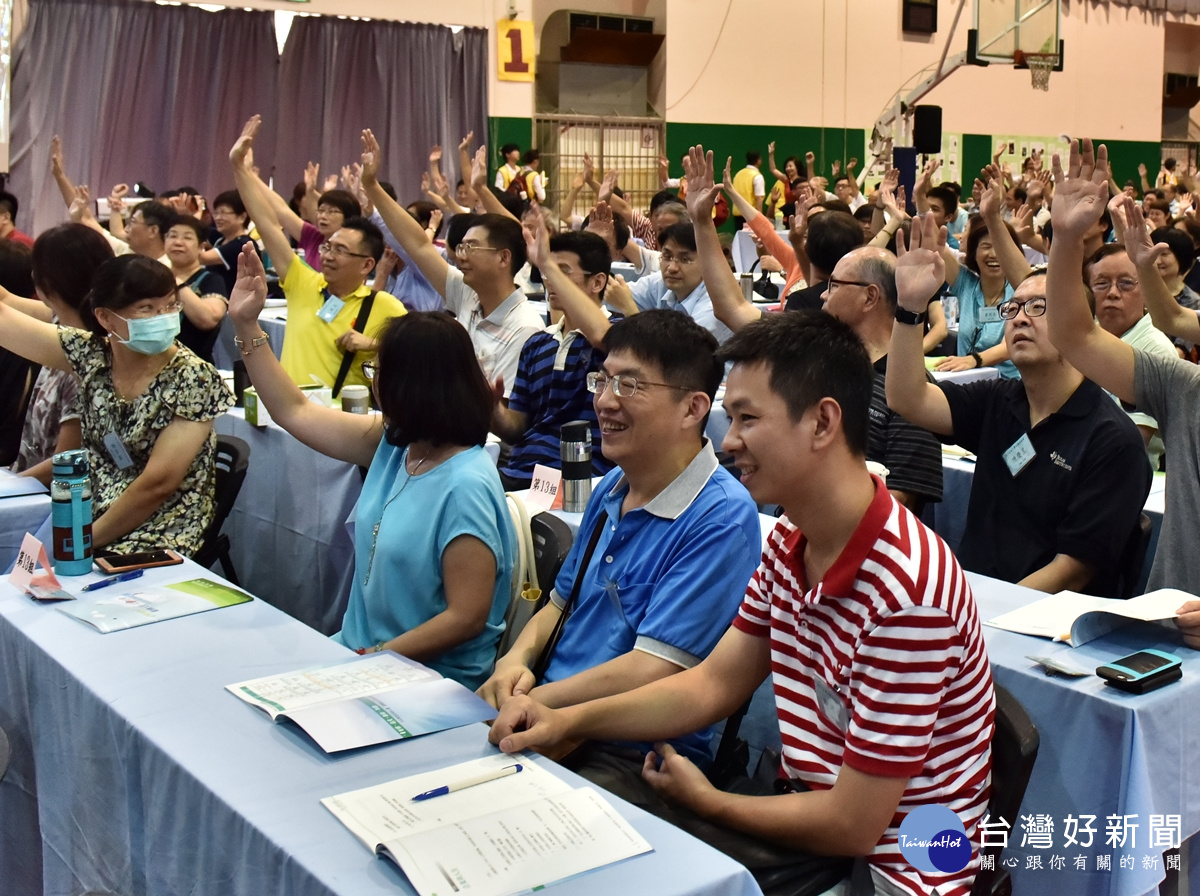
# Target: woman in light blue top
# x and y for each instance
(433, 542)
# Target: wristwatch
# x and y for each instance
(911, 318)
(256, 342)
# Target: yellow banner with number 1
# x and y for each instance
(516, 50)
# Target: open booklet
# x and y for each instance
(515, 833)
(109, 612)
(369, 700)
(1079, 618)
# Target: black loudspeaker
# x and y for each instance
(927, 129)
(905, 159)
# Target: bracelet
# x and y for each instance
(256, 342)
(376, 649)
(978, 359)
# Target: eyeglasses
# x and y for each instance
(369, 368)
(832, 284)
(1124, 284)
(339, 251)
(462, 250)
(1010, 309)
(173, 308)
(623, 386)
(667, 259)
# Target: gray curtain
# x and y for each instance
(414, 85)
(138, 92)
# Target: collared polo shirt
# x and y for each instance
(551, 389)
(497, 337)
(308, 347)
(1144, 336)
(651, 292)
(408, 284)
(665, 578)
(1080, 495)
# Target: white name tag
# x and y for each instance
(989, 314)
(330, 309)
(1019, 454)
(117, 451)
(831, 705)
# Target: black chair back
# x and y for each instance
(1134, 556)
(551, 542)
(232, 461)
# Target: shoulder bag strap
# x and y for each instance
(543, 660)
(360, 325)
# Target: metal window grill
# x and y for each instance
(631, 145)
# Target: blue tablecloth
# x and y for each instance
(134, 772)
(28, 513)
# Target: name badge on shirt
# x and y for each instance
(1019, 454)
(330, 309)
(117, 451)
(831, 706)
(989, 314)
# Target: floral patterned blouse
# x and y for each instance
(187, 388)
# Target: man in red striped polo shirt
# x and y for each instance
(864, 619)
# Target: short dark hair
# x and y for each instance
(16, 267)
(191, 224)
(1019, 194)
(233, 200)
(801, 167)
(531, 156)
(423, 212)
(681, 234)
(387, 187)
(1179, 243)
(1103, 252)
(372, 236)
(976, 231)
(864, 213)
(505, 233)
(947, 197)
(343, 201)
(65, 260)
(753, 158)
(122, 281)
(1169, 164)
(1193, 230)
(429, 385)
(507, 148)
(156, 214)
(457, 228)
(830, 236)
(9, 203)
(955, 186)
(662, 196)
(589, 247)
(1157, 193)
(810, 356)
(841, 177)
(1161, 205)
(684, 351)
(833, 205)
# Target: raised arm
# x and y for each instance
(854, 184)
(607, 193)
(32, 339)
(772, 167)
(920, 274)
(924, 183)
(1012, 260)
(567, 206)
(253, 193)
(1165, 312)
(729, 305)
(1143, 178)
(1079, 200)
(349, 437)
(585, 315)
(744, 208)
(65, 188)
(487, 198)
(404, 227)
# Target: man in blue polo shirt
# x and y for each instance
(551, 384)
(676, 537)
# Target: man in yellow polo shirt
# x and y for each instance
(749, 183)
(323, 327)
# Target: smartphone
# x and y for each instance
(110, 564)
(1143, 671)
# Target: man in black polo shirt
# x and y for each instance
(1061, 474)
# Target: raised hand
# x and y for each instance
(370, 159)
(537, 242)
(600, 222)
(331, 183)
(991, 203)
(589, 168)
(435, 220)
(1081, 192)
(312, 173)
(56, 157)
(249, 293)
(1143, 170)
(977, 189)
(851, 165)
(426, 183)
(578, 181)
(116, 198)
(727, 176)
(245, 142)
(609, 184)
(81, 205)
(1022, 223)
(465, 143)
(920, 270)
(1138, 246)
(837, 167)
(702, 189)
(479, 169)
(435, 155)
(771, 148)
(347, 183)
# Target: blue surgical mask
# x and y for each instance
(150, 335)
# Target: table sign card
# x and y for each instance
(545, 492)
(44, 585)
(369, 700)
(509, 835)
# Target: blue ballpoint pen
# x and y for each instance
(123, 577)
(468, 782)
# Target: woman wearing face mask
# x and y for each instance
(146, 406)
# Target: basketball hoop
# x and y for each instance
(1039, 64)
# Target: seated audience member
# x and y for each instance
(1159, 214)
(748, 183)
(146, 231)
(862, 294)
(1116, 296)
(480, 291)
(1061, 474)
(65, 260)
(882, 684)
(434, 544)
(1166, 388)
(1174, 266)
(201, 291)
(845, 188)
(674, 537)
(326, 334)
(405, 281)
(825, 237)
(232, 224)
(551, 385)
(17, 375)
(8, 220)
(764, 228)
(985, 280)
(147, 406)
(532, 176)
(679, 286)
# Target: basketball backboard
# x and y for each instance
(1005, 31)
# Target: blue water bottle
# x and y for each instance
(71, 513)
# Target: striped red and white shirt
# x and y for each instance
(892, 636)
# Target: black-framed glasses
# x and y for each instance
(832, 283)
(369, 368)
(1033, 308)
(623, 385)
(328, 248)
